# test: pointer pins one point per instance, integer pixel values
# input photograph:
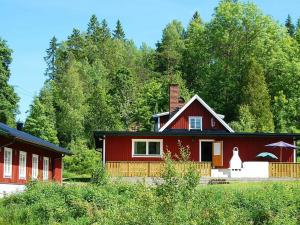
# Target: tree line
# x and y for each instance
(242, 62)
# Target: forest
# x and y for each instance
(243, 63)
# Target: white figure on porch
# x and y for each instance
(235, 161)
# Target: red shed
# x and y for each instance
(24, 157)
(197, 125)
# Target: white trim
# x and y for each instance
(103, 152)
(196, 97)
(158, 123)
(46, 172)
(34, 170)
(221, 116)
(200, 142)
(295, 153)
(7, 174)
(195, 117)
(161, 114)
(147, 148)
(24, 168)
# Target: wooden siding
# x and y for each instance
(196, 109)
(118, 148)
(55, 162)
(284, 170)
(163, 120)
(152, 169)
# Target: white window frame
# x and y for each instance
(22, 168)
(7, 173)
(35, 171)
(147, 148)
(195, 117)
(45, 172)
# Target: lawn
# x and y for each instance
(171, 203)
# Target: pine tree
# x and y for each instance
(41, 121)
(290, 26)
(93, 25)
(105, 29)
(50, 59)
(8, 97)
(119, 32)
(255, 95)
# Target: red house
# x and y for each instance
(196, 125)
(24, 157)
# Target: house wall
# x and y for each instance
(196, 109)
(119, 148)
(55, 162)
(164, 120)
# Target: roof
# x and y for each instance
(160, 114)
(194, 133)
(196, 97)
(25, 137)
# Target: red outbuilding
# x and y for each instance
(196, 125)
(24, 157)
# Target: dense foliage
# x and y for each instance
(119, 203)
(242, 63)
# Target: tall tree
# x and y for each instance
(255, 95)
(169, 50)
(41, 121)
(8, 97)
(93, 25)
(290, 26)
(119, 32)
(50, 58)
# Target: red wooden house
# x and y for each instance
(195, 124)
(24, 157)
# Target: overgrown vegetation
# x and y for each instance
(120, 203)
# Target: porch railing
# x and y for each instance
(152, 169)
(284, 170)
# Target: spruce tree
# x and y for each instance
(290, 26)
(255, 95)
(50, 59)
(8, 97)
(105, 29)
(119, 32)
(93, 25)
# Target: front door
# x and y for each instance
(217, 158)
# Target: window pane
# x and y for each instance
(140, 148)
(198, 123)
(154, 148)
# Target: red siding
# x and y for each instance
(119, 148)
(54, 162)
(164, 120)
(195, 109)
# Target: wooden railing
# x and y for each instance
(152, 169)
(284, 170)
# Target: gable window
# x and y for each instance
(22, 165)
(35, 166)
(7, 162)
(195, 123)
(45, 168)
(147, 147)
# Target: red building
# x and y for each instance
(196, 125)
(24, 157)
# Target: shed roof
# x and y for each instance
(25, 137)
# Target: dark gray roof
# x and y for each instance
(195, 133)
(25, 137)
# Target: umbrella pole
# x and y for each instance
(280, 154)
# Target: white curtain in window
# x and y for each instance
(45, 168)
(7, 162)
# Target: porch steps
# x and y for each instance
(220, 173)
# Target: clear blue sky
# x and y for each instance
(28, 26)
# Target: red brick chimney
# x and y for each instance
(175, 101)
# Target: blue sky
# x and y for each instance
(28, 26)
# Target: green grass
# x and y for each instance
(121, 203)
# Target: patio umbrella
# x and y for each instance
(267, 155)
(281, 145)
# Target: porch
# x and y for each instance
(155, 169)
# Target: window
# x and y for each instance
(45, 168)
(195, 122)
(35, 166)
(7, 162)
(147, 147)
(22, 165)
